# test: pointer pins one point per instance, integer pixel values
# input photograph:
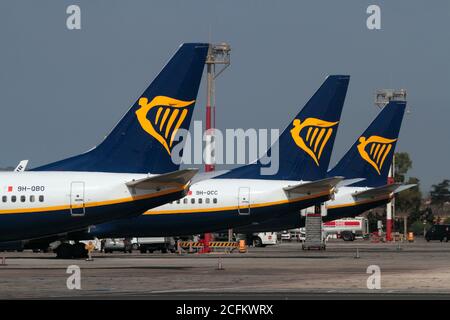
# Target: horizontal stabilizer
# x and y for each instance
(405, 187)
(313, 187)
(172, 179)
(385, 190)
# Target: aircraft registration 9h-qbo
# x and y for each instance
(129, 172)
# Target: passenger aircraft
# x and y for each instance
(243, 195)
(128, 173)
(369, 158)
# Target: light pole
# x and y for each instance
(218, 54)
(382, 98)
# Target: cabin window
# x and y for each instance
(23, 198)
(207, 200)
(193, 200)
(214, 200)
(178, 201)
(31, 198)
(185, 200)
(4, 198)
(200, 201)
(13, 198)
(41, 198)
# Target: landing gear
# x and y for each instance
(78, 251)
(71, 251)
(64, 251)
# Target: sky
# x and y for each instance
(61, 91)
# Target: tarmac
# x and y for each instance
(284, 271)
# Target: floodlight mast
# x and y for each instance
(218, 54)
(382, 98)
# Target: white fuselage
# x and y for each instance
(35, 204)
(214, 204)
(343, 204)
(233, 194)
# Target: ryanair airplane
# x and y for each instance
(368, 160)
(243, 195)
(129, 172)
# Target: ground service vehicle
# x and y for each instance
(151, 244)
(347, 229)
(112, 245)
(439, 232)
(261, 239)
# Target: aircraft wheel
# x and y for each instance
(79, 251)
(64, 251)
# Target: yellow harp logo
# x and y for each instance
(169, 116)
(312, 135)
(375, 150)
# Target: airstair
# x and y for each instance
(314, 238)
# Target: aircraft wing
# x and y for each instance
(313, 187)
(21, 166)
(385, 190)
(172, 179)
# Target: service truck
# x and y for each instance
(347, 229)
(151, 244)
(260, 239)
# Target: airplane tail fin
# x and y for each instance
(371, 155)
(143, 139)
(305, 145)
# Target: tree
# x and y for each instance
(418, 227)
(402, 164)
(409, 200)
(373, 218)
(440, 193)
